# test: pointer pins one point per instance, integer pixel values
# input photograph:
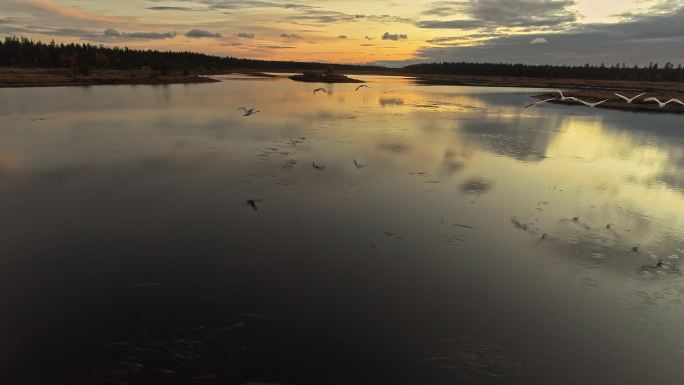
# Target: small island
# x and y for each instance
(328, 76)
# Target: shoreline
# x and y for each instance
(589, 90)
(57, 77)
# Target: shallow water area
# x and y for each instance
(398, 234)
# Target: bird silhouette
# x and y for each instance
(629, 100)
(253, 203)
(663, 104)
(248, 112)
(539, 103)
(361, 86)
(357, 164)
(320, 89)
(592, 105)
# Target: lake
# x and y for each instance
(398, 234)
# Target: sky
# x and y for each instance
(387, 32)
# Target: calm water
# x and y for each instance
(471, 242)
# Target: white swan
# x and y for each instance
(539, 103)
(592, 105)
(564, 98)
(629, 100)
(663, 104)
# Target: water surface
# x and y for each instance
(445, 235)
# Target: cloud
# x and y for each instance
(450, 24)
(493, 14)
(325, 17)
(113, 33)
(659, 38)
(539, 40)
(150, 35)
(293, 36)
(244, 35)
(53, 10)
(276, 46)
(166, 8)
(200, 33)
(393, 36)
(322, 16)
(220, 5)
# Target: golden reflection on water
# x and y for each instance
(598, 158)
(453, 203)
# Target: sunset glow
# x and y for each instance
(351, 31)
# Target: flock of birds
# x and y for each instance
(564, 98)
(251, 111)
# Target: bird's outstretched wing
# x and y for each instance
(675, 101)
(243, 109)
(652, 100)
(601, 102)
(623, 97)
(540, 102)
(361, 86)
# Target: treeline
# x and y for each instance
(652, 72)
(22, 52)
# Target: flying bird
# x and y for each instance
(320, 89)
(361, 86)
(539, 103)
(252, 203)
(564, 98)
(663, 104)
(629, 100)
(248, 112)
(592, 105)
(357, 164)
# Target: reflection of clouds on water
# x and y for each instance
(394, 147)
(170, 178)
(475, 360)
(512, 138)
(451, 163)
(476, 185)
(390, 102)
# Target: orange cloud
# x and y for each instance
(74, 13)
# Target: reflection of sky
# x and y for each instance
(457, 184)
(600, 159)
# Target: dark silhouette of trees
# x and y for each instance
(22, 52)
(618, 71)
